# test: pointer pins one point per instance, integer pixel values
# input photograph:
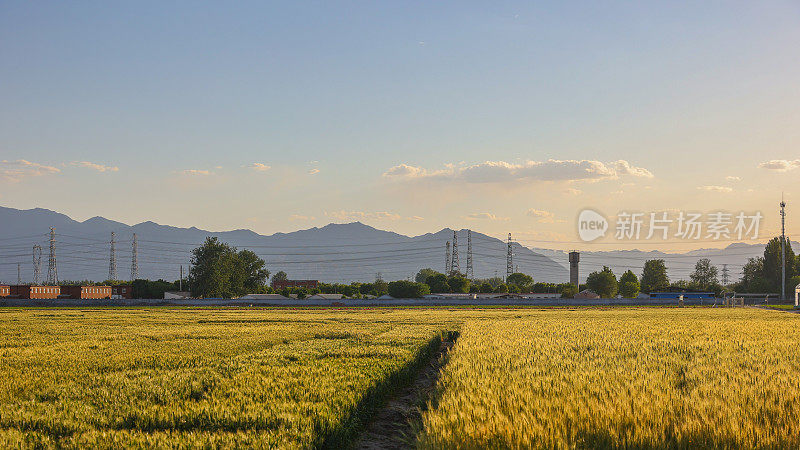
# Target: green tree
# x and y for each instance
(629, 285)
(380, 287)
(604, 282)
(485, 288)
(654, 276)
(280, 276)
(438, 283)
(408, 289)
(423, 274)
(704, 275)
(458, 284)
(772, 264)
(501, 288)
(521, 281)
(568, 290)
(219, 270)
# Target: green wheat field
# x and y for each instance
(312, 378)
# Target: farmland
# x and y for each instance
(624, 378)
(305, 378)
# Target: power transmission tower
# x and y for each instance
(724, 274)
(52, 269)
(37, 263)
(455, 267)
(112, 258)
(783, 249)
(135, 259)
(509, 258)
(447, 258)
(469, 254)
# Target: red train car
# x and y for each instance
(86, 292)
(122, 291)
(5, 291)
(35, 292)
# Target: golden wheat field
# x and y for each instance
(311, 378)
(657, 378)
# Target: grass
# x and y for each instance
(646, 378)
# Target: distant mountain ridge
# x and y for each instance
(333, 253)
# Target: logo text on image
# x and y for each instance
(591, 225)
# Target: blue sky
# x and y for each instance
(163, 111)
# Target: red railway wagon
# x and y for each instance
(35, 292)
(86, 292)
(122, 291)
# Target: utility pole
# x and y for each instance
(19, 274)
(783, 249)
(454, 266)
(112, 259)
(135, 259)
(447, 258)
(37, 263)
(52, 269)
(469, 255)
(724, 274)
(509, 258)
(180, 283)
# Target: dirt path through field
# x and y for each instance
(391, 427)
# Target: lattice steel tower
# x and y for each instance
(112, 258)
(455, 267)
(469, 254)
(135, 259)
(447, 258)
(37, 263)
(509, 258)
(52, 268)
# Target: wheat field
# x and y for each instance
(312, 378)
(657, 378)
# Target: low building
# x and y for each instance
(263, 297)
(86, 292)
(587, 294)
(308, 284)
(5, 291)
(685, 295)
(35, 292)
(325, 297)
(122, 291)
(173, 295)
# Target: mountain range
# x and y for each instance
(333, 253)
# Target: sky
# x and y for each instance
(408, 116)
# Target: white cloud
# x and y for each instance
(573, 191)
(715, 188)
(259, 167)
(501, 171)
(544, 216)
(732, 178)
(17, 170)
(484, 216)
(313, 171)
(94, 166)
(301, 217)
(192, 172)
(780, 165)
